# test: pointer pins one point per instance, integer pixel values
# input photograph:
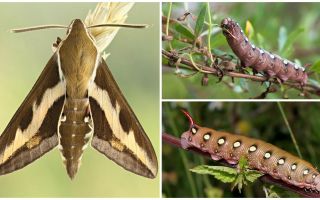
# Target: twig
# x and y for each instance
(189, 65)
(174, 141)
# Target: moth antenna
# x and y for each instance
(189, 117)
(35, 28)
(120, 25)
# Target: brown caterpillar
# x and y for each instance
(262, 156)
(259, 59)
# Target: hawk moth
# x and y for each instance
(258, 59)
(262, 156)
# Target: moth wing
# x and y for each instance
(117, 131)
(33, 129)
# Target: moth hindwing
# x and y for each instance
(75, 99)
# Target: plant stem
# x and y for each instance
(289, 129)
(209, 31)
(168, 22)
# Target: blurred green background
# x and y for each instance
(262, 120)
(134, 62)
(275, 26)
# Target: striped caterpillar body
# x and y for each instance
(261, 156)
(259, 59)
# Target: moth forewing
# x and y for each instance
(33, 129)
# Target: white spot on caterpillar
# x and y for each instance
(193, 130)
(241, 30)
(285, 62)
(281, 161)
(75, 108)
(236, 144)
(314, 176)
(206, 137)
(246, 39)
(253, 47)
(293, 167)
(305, 172)
(252, 148)
(221, 141)
(267, 155)
(74, 122)
(296, 66)
(72, 147)
(73, 135)
(272, 56)
(302, 68)
(261, 51)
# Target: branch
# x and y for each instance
(169, 139)
(174, 57)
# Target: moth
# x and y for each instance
(261, 156)
(259, 59)
(74, 102)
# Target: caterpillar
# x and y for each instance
(259, 59)
(261, 156)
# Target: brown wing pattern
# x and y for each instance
(117, 131)
(33, 129)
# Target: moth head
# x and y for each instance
(196, 136)
(230, 28)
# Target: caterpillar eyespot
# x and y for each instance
(261, 60)
(261, 156)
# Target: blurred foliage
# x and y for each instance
(23, 57)
(272, 26)
(253, 119)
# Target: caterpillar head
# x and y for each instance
(196, 136)
(317, 182)
(231, 29)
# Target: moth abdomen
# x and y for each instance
(261, 156)
(75, 132)
(259, 59)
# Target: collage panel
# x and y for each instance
(240, 50)
(240, 149)
(42, 148)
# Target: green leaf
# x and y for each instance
(316, 67)
(260, 40)
(224, 174)
(292, 37)
(243, 163)
(183, 30)
(200, 21)
(252, 175)
(283, 37)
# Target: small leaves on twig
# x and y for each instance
(238, 176)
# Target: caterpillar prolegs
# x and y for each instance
(258, 59)
(262, 156)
